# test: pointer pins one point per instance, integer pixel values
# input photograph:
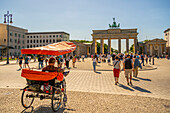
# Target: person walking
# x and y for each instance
(46, 60)
(40, 60)
(27, 61)
(153, 60)
(108, 58)
(67, 59)
(20, 62)
(74, 61)
(146, 58)
(128, 68)
(116, 69)
(142, 58)
(136, 65)
(94, 63)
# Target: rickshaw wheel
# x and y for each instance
(27, 98)
(56, 99)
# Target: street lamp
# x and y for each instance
(7, 20)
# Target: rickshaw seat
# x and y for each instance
(41, 76)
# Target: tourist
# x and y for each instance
(131, 55)
(94, 63)
(27, 61)
(116, 69)
(113, 56)
(34, 59)
(108, 58)
(142, 58)
(83, 58)
(146, 58)
(150, 59)
(74, 61)
(46, 60)
(153, 60)
(67, 59)
(136, 65)
(1, 58)
(62, 60)
(128, 67)
(40, 60)
(20, 61)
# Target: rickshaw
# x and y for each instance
(38, 82)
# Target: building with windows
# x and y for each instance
(20, 38)
(167, 38)
(37, 39)
(16, 39)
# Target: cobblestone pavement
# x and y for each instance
(152, 81)
(81, 102)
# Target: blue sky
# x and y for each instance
(80, 17)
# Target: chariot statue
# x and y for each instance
(114, 25)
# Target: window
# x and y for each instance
(37, 41)
(11, 34)
(15, 46)
(53, 40)
(53, 35)
(34, 45)
(22, 46)
(37, 45)
(30, 41)
(56, 35)
(34, 36)
(47, 41)
(50, 40)
(27, 46)
(34, 41)
(27, 36)
(23, 36)
(23, 41)
(18, 53)
(43, 41)
(47, 36)
(15, 40)
(15, 34)
(18, 47)
(30, 36)
(10, 40)
(37, 36)
(4, 40)
(50, 35)
(27, 41)
(30, 46)
(10, 54)
(40, 41)
(60, 35)
(19, 35)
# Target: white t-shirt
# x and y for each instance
(94, 60)
(108, 56)
(117, 64)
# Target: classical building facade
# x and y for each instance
(114, 33)
(17, 39)
(153, 47)
(37, 39)
(20, 38)
(167, 38)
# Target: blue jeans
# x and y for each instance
(94, 66)
(40, 63)
(142, 62)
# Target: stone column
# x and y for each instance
(160, 49)
(87, 50)
(165, 48)
(109, 45)
(119, 45)
(151, 49)
(78, 50)
(94, 48)
(101, 46)
(127, 45)
(135, 45)
(145, 49)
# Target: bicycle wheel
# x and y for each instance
(56, 99)
(64, 86)
(27, 98)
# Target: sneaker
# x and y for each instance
(127, 83)
(115, 83)
(131, 83)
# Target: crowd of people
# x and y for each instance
(130, 63)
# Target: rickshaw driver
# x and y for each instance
(52, 68)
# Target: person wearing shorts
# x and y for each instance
(116, 69)
(128, 67)
(27, 61)
(20, 61)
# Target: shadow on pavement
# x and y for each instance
(98, 72)
(140, 89)
(45, 109)
(145, 79)
(135, 79)
(125, 87)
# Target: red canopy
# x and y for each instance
(51, 49)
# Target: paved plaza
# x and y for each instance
(90, 92)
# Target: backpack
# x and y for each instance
(128, 64)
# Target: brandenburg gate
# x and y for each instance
(114, 33)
